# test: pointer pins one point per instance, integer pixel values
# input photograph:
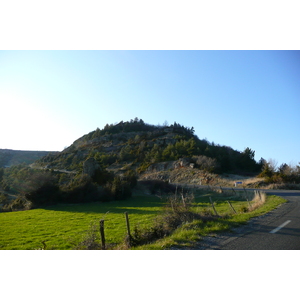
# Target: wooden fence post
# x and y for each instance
(247, 198)
(102, 234)
(128, 229)
(231, 207)
(212, 204)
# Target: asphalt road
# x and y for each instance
(277, 230)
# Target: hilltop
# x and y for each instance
(145, 148)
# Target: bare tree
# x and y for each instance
(273, 164)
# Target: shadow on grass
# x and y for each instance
(136, 206)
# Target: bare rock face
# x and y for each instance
(171, 165)
(182, 162)
(90, 166)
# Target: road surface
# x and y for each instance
(277, 230)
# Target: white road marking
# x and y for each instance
(281, 226)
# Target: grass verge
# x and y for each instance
(186, 235)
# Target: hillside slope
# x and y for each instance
(139, 146)
(10, 157)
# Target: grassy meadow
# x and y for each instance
(62, 227)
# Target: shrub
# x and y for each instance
(177, 212)
(158, 186)
(206, 163)
(19, 203)
(90, 240)
(119, 189)
(131, 177)
(48, 193)
(81, 189)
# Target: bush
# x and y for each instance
(82, 189)
(47, 194)
(131, 177)
(158, 186)
(177, 212)
(206, 163)
(90, 240)
(20, 203)
(118, 189)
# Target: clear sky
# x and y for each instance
(235, 98)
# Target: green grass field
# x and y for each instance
(63, 226)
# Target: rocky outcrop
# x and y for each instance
(163, 166)
(183, 162)
(171, 165)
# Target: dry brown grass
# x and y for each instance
(259, 198)
(283, 186)
(255, 198)
(230, 179)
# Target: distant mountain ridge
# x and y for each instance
(9, 157)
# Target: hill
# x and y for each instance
(109, 164)
(10, 157)
(139, 146)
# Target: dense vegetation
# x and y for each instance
(26, 188)
(285, 174)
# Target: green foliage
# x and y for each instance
(206, 163)
(134, 125)
(246, 160)
(104, 159)
(158, 186)
(136, 141)
(4, 198)
(15, 178)
(81, 189)
(101, 177)
(18, 203)
(1, 174)
(284, 174)
(267, 171)
(42, 189)
(119, 188)
(131, 177)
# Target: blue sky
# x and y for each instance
(235, 98)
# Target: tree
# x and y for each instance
(267, 170)
(285, 169)
(1, 174)
(192, 147)
(249, 153)
(273, 164)
(206, 163)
